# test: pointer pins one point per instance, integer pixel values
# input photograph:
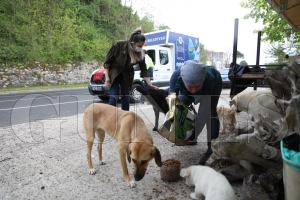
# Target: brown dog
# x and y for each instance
(131, 133)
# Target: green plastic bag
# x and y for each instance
(184, 122)
(179, 122)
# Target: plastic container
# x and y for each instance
(291, 177)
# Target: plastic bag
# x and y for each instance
(179, 122)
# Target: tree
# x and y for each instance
(275, 28)
(239, 55)
(147, 23)
(228, 57)
(243, 63)
(64, 31)
(162, 27)
(203, 55)
(282, 53)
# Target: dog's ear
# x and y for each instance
(157, 157)
(233, 108)
(185, 172)
(128, 154)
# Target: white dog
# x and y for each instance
(209, 183)
(257, 102)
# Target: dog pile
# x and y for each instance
(170, 170)
(171, 163)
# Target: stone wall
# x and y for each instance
(36, 74)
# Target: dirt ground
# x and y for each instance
(47, 160)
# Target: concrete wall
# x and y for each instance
(36, 74)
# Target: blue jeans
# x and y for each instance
(150, 72)
(114, 92)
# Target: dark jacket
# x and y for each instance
(203, 96)
(118, 61)
(212, 78)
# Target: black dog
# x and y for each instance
(157, 98)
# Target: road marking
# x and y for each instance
(44, 105)
(141, 107)
(39, 97)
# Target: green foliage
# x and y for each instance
(239, 55)
(282, 53)
(275, 28)
(203, 55)
(67, 30)
(162, 27)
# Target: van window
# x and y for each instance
(164, 57)
(151, 54)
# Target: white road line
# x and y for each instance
(44, 105)
(62, 91)
(141, 107)
(42, 96)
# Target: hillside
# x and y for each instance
(62, 31)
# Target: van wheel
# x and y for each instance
(135, 96)
(104, 98)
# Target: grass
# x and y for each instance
(28, 88)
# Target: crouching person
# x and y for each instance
(197, 83)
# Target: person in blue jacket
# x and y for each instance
(197, 83)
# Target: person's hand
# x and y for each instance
(107, 81)
(155, 87)
(167, 99)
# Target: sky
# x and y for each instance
(210, 20)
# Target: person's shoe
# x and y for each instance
(205, 156)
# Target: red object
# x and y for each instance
(98, 75)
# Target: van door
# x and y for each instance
(137, 71)
(163, 67)
(161, 57)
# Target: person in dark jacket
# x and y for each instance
(120, 59)
(197, 83)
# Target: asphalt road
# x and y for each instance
(17, 108)
(30, 107)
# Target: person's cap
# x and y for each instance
(193, 73)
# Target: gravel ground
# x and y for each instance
(47, 160)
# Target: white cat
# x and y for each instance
(209, 183)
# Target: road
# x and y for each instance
(30, 107)
(20, 108)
